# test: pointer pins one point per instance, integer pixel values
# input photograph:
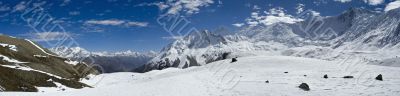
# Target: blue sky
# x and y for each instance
(116, 25)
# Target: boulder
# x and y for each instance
(379, 77)
(348, 77)
(234, 60)
(304, 86)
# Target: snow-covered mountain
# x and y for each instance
(186, 51)
(357, 31)
(124, 61)
(26, 66)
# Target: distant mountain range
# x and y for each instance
(356, 33)
(125, 61)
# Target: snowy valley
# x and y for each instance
(246, 77)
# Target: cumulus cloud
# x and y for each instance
(115, 22)
(392, 5)
(274, 15)
(374, 2)
(173, 7)
(187, 6)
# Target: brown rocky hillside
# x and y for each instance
(24, 66)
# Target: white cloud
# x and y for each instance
(49, 36)
(255, 7)
(392, 5)
(105, 22)
(300, 8)
(238, 24)
(370, 2)
(172, 7)
(186, 6)
(115, 22)
(95, 29)
(343, 1)
(173, 37)
(374, 2)
(219, 3)
(20, 6)
(65, 2)
(274, 15)
(314, 13)
(160, 5)
(138, 24)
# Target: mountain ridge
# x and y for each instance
(354, 29)
(123, 61)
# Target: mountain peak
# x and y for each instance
(354, 11)
(394, 12)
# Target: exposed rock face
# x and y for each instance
(24, 66)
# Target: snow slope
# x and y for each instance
(245, 78)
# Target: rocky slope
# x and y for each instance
(25, 66)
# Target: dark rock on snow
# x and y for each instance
(285, 72)
(234, 60)
(304, 86)
(379, 77)
(348, 77)
(326, 76)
